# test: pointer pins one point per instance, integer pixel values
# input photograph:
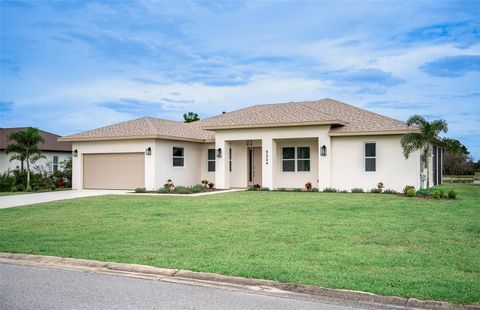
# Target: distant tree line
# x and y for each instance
(457, 159)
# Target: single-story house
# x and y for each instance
(325, 142)
(55, 152)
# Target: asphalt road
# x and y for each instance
(25, 287)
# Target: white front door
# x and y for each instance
(254, 166)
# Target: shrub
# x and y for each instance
(375, 191)
(357, 190)
(281, 189)
(390, 191)
(330, 190)
(297, 190)
(256, 186)
(437, 193)
(140, 190)
(197, 188)
(314, 189)
(407, 188)
(343, 191)
(169, 184)
(181, 190)
(265, 189)
(7, 181)
(252, 188)
(205, 183)
(452, 194)
(53, 187)
(14, 189)
(424, 192)
(380, 186)
(308, 186)
(163, 190)
(211, 185)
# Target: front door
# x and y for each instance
(254, 166)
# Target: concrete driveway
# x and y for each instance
(28, 199)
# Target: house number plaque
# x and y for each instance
(266, 157)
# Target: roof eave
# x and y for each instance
(106, 138)
(372, 132)
(272, 125)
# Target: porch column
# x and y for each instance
(324, 162)
(269, 149)
(222, 174)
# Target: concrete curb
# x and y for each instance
(267, 285)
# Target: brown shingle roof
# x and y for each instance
(346, 119)
(145, 127)
(50, 144)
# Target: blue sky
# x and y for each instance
(72, 66)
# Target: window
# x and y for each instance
(370, 156)
(230, 160)
(178, 157)
(288, 158)
(211, 160)
(55, 164)
(303, 159)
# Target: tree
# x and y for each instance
(190, 117)
(454, 146)
(25, 147)
(455, 158)
(424, 139)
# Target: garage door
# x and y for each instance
(114, 171)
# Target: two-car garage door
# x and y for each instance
(114, 171)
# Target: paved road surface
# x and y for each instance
(28, 199)
(25, 287)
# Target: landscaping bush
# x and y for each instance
(163, 190)
(375, 191)
(452, 194)
(211, 185)
(265, 189)
(181, 190)
(14, 189)
(140, 190)
(7, 181)
(53, 187)
(297, 190)
(169, 185)
(308, 186)
(437, 193)
(330, 190)
(357, 190)
(281, 189)
(423, 191)
(205, 183)
(197, 188)
(390, 191)
(314, 189)
(409, 191)
(252, 188)
(380, 186)
(343, 191)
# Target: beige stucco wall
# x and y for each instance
(119, 146)
(42, 165)
(348, 164)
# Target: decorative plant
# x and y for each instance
(390, 191)
(211, 185)
(380, 186)
(197, 188)
(409, 191)
(308, 186)
(169, 185)
(357, 190)
(140, 190)
(205, 183)
(330, 190)
(452, 194)
(181, 190)
(424, 139)
(375, 191)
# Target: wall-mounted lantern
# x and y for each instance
(75, 153)
(219, 153)
(323, 151)
(148, 151)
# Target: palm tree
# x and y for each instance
(424, 139)
(25, 147)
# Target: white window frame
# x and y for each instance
(183, 157)
(365, 157)
(295, 158)
(55, 165)
(211, 160)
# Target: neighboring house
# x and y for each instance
(326, 142)
(54, 151)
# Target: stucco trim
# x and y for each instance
(371, 133)
(109, 138)
(267, 125)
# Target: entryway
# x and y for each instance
(254, 173)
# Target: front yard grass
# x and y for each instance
(384, 244)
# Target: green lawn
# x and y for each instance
(384, 244)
